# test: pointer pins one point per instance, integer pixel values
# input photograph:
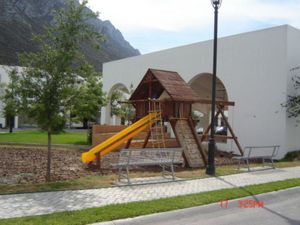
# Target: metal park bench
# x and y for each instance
(165, 157)
(265, 153)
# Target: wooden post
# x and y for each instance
(220, 109)
(190, 122)
(128, 143)
(205, 133)
(147, 139)
(98, 161)
(148, 136)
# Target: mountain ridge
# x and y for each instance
(20, 18)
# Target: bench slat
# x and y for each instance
(149, 156)
(165, 157)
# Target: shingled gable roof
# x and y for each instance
(161, 80)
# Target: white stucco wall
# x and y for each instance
(253, 67)
(293, 68)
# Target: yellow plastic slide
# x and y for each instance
(119, 138)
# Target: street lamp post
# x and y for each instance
(210, 169)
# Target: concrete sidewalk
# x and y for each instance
(19, 205)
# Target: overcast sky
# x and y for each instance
(151, 25)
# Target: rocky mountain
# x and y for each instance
(20, 18)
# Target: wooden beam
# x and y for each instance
(220, 109)
(150, 87)
(201, 101)
(173, 125)
(204, 159)
(98, 162)
(205, 133)
(218, 102)
(128, 143)
(219, 138)
(178, 118)
(147, 138)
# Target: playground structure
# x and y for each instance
(161, 97)
(118, 139)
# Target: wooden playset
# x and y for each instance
(162, 97)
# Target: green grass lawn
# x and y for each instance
(40, 137)
(120, 211)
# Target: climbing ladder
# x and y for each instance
(156, 126)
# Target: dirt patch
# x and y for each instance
(19, 165)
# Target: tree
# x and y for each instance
(51, 75)
(89, 98)
(127, 110)
(10, 99)
(293, 101)
(116, 96)
(124, 110)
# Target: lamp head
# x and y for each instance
(216, 3)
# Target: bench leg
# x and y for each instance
(127, 175)
(120, 174)
(163, 170)
(124, 173)
(239, 164)
(168, 170)
(248, 165)
(273, 166)
(172, 170)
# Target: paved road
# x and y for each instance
(280, 208)
(50, 202)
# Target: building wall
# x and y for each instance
(252, 67)
(4, 79)
(293, 68)
(253, 70)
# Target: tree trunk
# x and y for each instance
(70, 120)
(48, 172)
(123, 120)
(89, 133)
(85, 124)
(11, 123)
